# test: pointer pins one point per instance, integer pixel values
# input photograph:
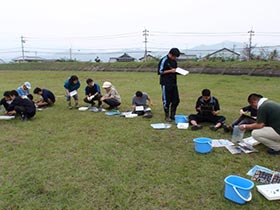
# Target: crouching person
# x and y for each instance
(140, 106)
(47, 97)
(25, 108)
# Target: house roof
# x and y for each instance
(226, 49)
(125, 55)
(149, 55)
(29, 58)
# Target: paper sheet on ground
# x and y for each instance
(182, 71)
(6, 117)
(221, 143)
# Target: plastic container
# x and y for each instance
(237, 189)
(237, 134)
(181, 119)
(203, 145)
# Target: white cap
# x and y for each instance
(28, 85)
(107, 84)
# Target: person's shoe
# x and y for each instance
(273, 152)
(196, 127)
(23, 117)
(227, 128)
(148, 115)
(167, 119)
(214, 128)
(70, 107)
(76, 106)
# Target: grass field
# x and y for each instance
(66, 159)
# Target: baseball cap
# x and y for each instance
(107, 84)
(28, 85)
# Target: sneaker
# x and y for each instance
(70, 107)
(273, 152)
(76, 106)
(214, 128)
(196, 127)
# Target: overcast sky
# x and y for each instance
(92, 24)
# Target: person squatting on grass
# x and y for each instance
(168, 81)
(92, 93)
(207, 108)
(140, 100)
(47, 97)
(267, 128)
(72, 84)
(111, 97)
(6, 101)
(21, 106)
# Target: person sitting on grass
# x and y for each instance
(71, 86)
(111, 97)
(93, 93)
(140, 100)
(23, 90)
(47, 97)
(267, 128)
(6, 101)
(207, 108)
(24, 107)
(243, 119)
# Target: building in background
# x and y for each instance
(223, 54)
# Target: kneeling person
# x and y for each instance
(23, 107)
(140, 100)
(47, 97)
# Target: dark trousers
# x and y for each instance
(207, 118)
(170, 95)
(96, 98)
(22, 111)
(243, 119)
(112, 102)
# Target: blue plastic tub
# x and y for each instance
(181, 119)
(237, 189)
(202, 145)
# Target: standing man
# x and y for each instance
(267, 128)
(168, 81)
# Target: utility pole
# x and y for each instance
(251, 33)
(70, 54)
(145, 34)
(22, 47)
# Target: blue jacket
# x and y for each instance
(70, 87)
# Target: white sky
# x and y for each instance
(89, 24)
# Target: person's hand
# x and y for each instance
(242, 127)
(198, 109)
(102, 98)
(242, 112)
(215, 112)
(173, 70)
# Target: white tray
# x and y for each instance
(270, 191)
(161, 126)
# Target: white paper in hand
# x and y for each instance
(139, 108)
(74, 92)
(182, 71)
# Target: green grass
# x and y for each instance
(66, 159)
(275, 65)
